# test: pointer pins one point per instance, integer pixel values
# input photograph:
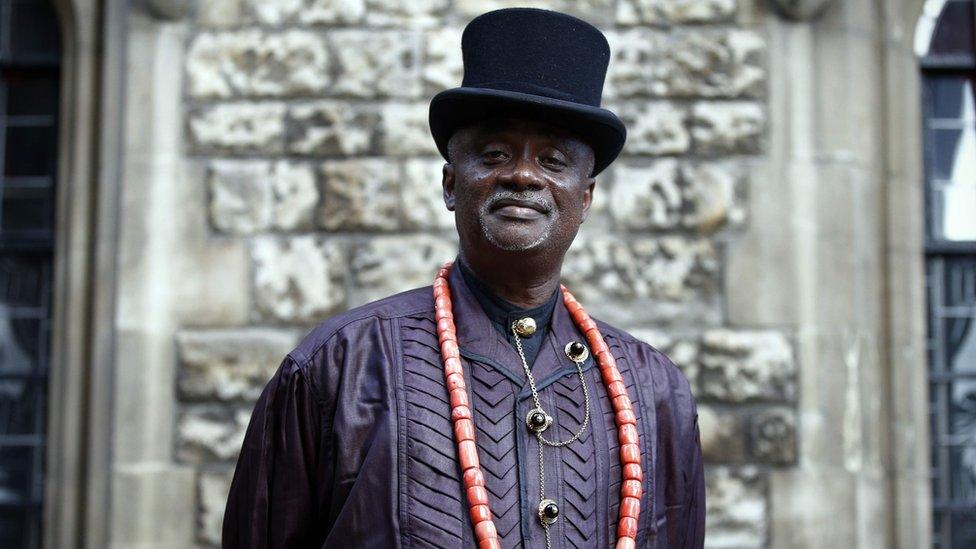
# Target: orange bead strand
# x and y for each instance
(464, 433)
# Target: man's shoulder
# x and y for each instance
(646, 355)
(407, 303)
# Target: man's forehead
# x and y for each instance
(495, 125)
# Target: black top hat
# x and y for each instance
(536, 63)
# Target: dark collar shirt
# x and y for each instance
(351, 442)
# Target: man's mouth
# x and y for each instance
(519, 209)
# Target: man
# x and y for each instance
(357, 439)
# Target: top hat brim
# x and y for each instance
(455, 108)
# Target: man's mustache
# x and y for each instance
(504, 198)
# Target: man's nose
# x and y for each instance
(523, 173)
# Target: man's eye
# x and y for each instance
(495, 155)
(553, 161)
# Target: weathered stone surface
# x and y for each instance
(383, 266)
(422, 197)
(405, 130)
(681, 349)
(657, 12)
(654, 128)
(211, 433)
(360, 194)
(744, 366)
(443, 67)
(223, 13)
(294, 195)
(737, 508)
(670, 268)
(218, 13)
(715, 63)
(377, 63)
(732, 127)
(238, 127)
(212, 489)
(597, 12)
(249, 196)
(667, 195)
(252, 62)
(240, 196)
(332, 128)
(723, 435)
(297, 279)
(772, 434)
(230, 363)
(416, 13)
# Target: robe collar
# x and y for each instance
(479, 340)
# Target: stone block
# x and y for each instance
(443, 67)
(307, 12)
(238, 128)
(230, 364)
(297, 279)
(631, 281)
(714, 63)
(360, 194)
(666, 195)
(772, 436)
(249, 196)
(654, 128)
(382, 266)
(377, 63)
(734, 127)
(396, 13)
(598, 12)
(253, 62)
(747, 366)
(422, 196)
(405, 131)
(666, 12)
(332, 128)
(723, 435)
(213, 486)
(207, 434)
(738, 506)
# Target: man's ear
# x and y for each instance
(588, 197)
(447, 182)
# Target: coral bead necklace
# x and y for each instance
(537, 420)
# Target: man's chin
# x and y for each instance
(515, 241)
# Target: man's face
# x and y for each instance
(518, 185)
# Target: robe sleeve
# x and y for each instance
(276, 497)
(695, 530)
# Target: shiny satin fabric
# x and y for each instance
(351, 444)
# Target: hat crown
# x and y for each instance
(536, 51)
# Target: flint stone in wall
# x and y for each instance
(223, 13)
(405, 130)
(249, 196)
(715, 63)
(212, 490)
(422, 196)
(682, 350)
(211, 433)
(737, 508)
(773, 436)
(230, 364)
(733, 127)
(376, 63)
(723, 435)
(670, 278)
(443, 67)
(654, 128)
(256, 63)
(383, 266)
(359, 194)
(598, 12)
(660, 12)
(415, 13)
(297, 279)
(332, 128)
(746, 366)
(666, 194)
(238, 128)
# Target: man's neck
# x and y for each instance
(525, 284)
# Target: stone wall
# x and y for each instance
(308, 119)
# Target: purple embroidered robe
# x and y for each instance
(351, 443)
